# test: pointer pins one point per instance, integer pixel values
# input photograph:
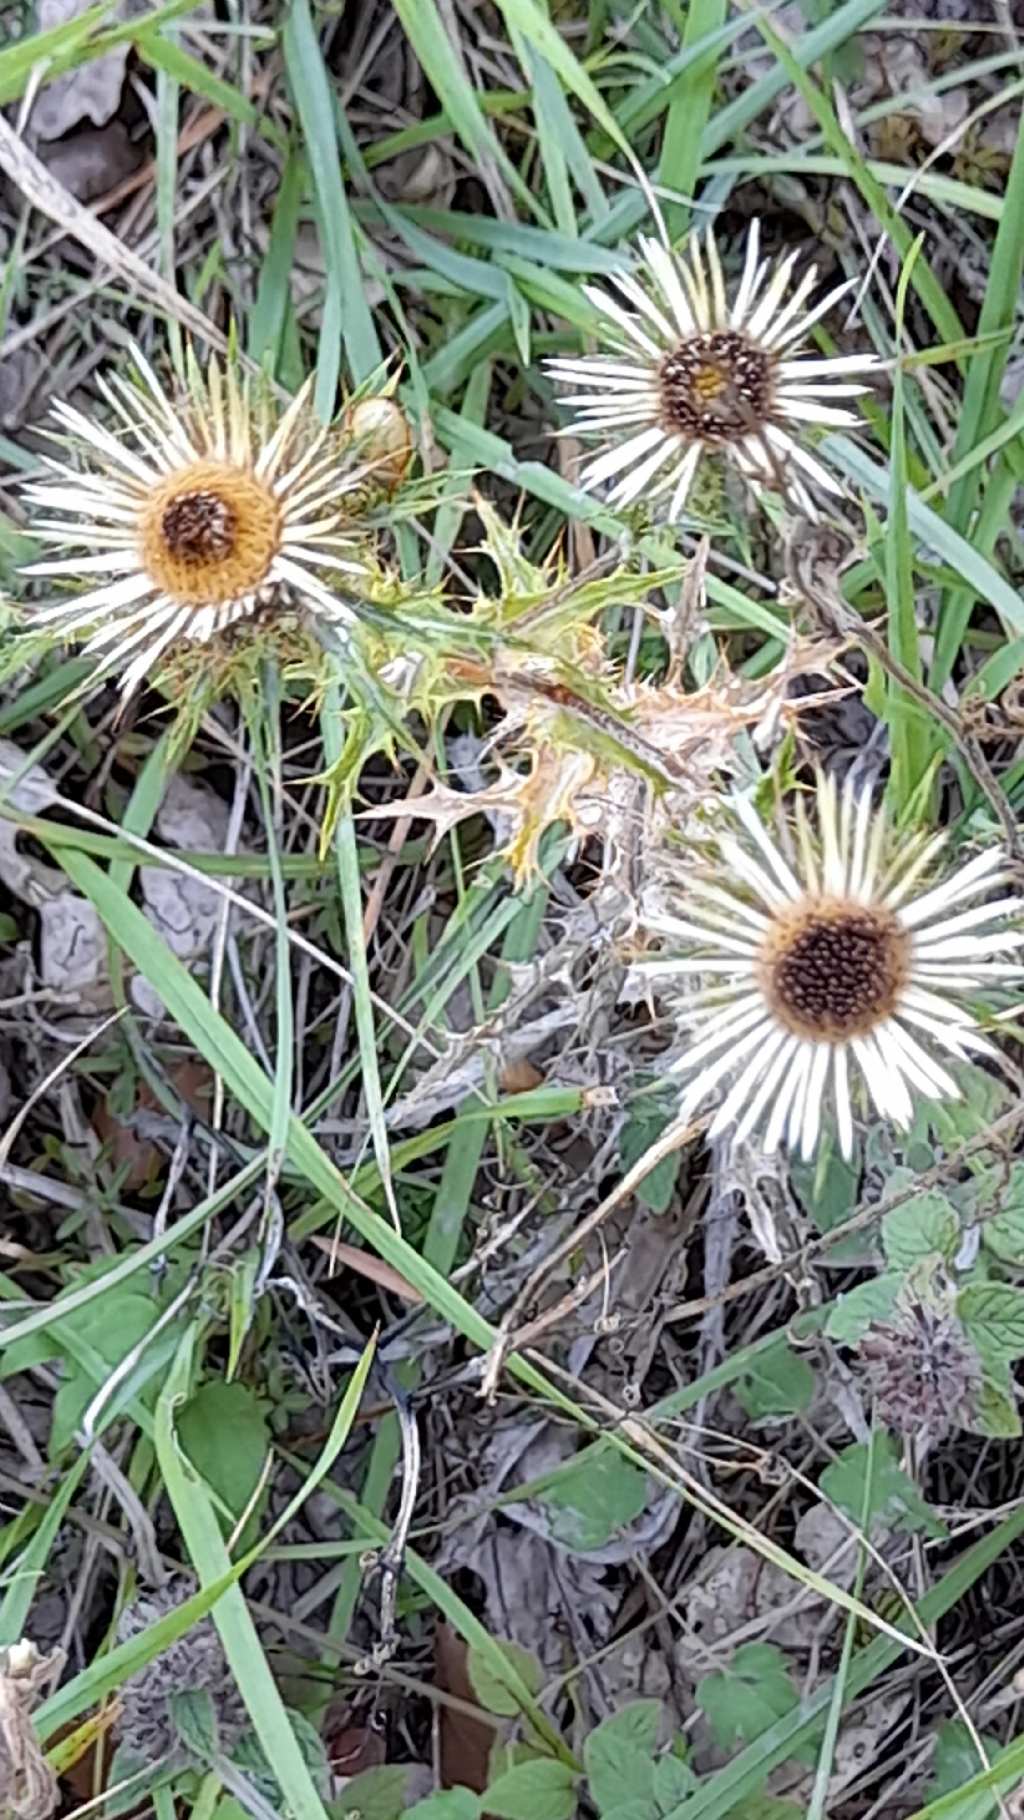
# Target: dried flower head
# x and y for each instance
(197, 512)
(28, 1786)
(921, 1371)
(691, 371)
(194, 1662)
(810, 966)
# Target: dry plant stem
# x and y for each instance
(389, 1563)
(650, 1446)
(969, 747)
(8, 1137)
(524, 1336)
(1002, 1128)
(672, 1138)
(41, 189)
(829, 607)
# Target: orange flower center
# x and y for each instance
(209, 533)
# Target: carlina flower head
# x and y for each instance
(690, 372)
(193, 514)
(806, 969)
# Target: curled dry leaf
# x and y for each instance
(90, 92)
(586, 754)
(465, 1743)
(72, 941)
(28, 1786)
(127, 1139)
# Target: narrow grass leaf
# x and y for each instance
(197, 1521)
(932, 294)
(933, 531)
(446, 74)
(347, 317)
(265, 334)
(744, 1776)
(228, 1055)
(981, 406)
(347, 859)
(170, 60)
(690, 108)
(32, 1563)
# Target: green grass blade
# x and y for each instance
(933, 531)
(228, 1055)
(197, 1521)
(347, 857)
(689, 110)
(31, 1565)
(932, 294)
(346, 318)
(178, 65)
(443, 68)
(981, 405)
(744, 1776)
(270, 312)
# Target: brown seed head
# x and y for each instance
(832, 970)
(717, 387)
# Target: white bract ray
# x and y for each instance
(832, 980)
(188, 515)
(690, 372)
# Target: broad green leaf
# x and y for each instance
(453, 1804)
(674, 1781)
(828, 1189)
(993, 1314)
(496, 1693)
(743, 1777)
(379, 1794)
(779, 1383)
(242, 1646)
(995, 1410)
(618, 1774)
(744, 1699)
(924, 1227)
(1003, 1234)
(128, 1765)
(856, 1309)
(113, 1328)
(639, 1132)
(955, 1762)
(588, 1508)
(619, 1749)
(225, 1435)
(195, 1721)
(893, 1500)
(541, 1790)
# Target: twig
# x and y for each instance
(40, 187)
(815, 581)
(866, 1216)
(675, 1135)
